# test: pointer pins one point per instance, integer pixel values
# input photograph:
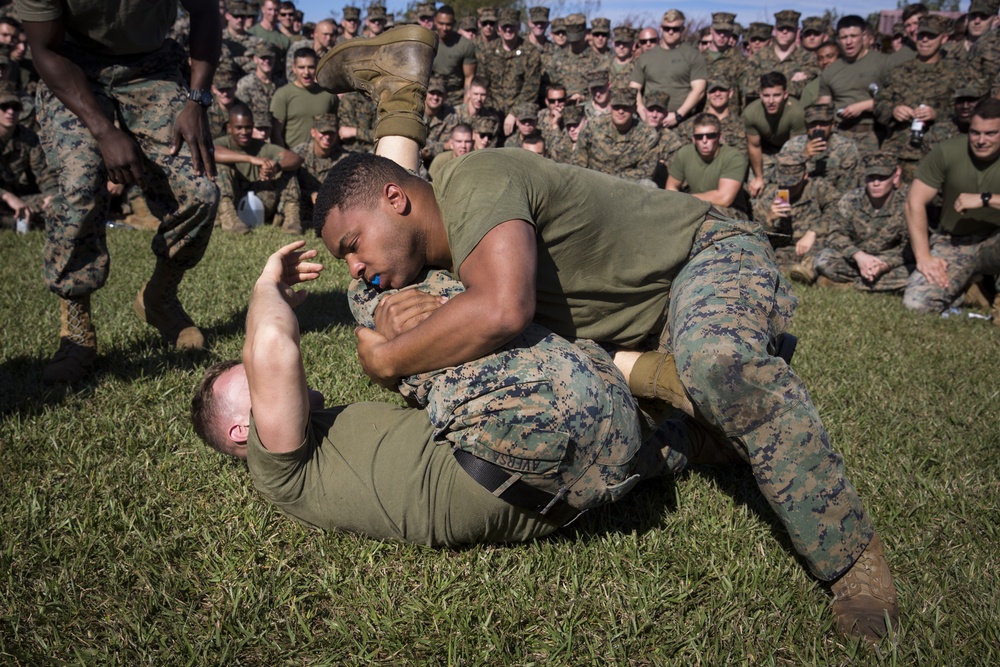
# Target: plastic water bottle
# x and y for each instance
(251, 210)
(21, 224)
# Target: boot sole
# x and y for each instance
(408, 33)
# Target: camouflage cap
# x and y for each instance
(8, 94)
(934, 24)
(898, 30)
(787, 18)
(598, 78)
(815, 24)
(723, 21)
(352, 13)
(375, 11)
(789, 168)
(390, 20)
(600, 26)
(969, 89)
(326, 122)
(509, 16)
(426, 10)
(758, 30)
(622, 96)
(880, 164)
(262, 49)
(737, 29)
(526, 111)
(557, 24)
(988, 7)
(437, 84)
(486, 125)
(623, 33)
(240, 8)
(538, 14)
(468, 23)
(487, 13)
(717, 83)
(672, 15)
(226, 76)
(819, 113)
(655, 98)
(572, 115)
(576, 27)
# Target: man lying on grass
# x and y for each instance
(510, 447)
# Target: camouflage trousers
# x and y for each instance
(38, 216)
(273, 194)
(835, 266)
(966, 256)
(143, 95)
(727, 306)
(559, 415)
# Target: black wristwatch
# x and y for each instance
(987, 196)
(679, 117)
(202, 97)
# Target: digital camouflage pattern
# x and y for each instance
(312, 174)
(357, 111)
(727, 306)
(257, 95)
(966, 256)
(145, 96)
(439, 129)
(24, 172)
(838, 165)
(514, 76)
(858, 226)
(558, 414)
(631, 155)
(734, 131)
(811, 212)
(729, 65)
(571, 69)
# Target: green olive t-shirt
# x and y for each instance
(950, 168)
(106, 27)
(608, 249)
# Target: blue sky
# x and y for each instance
(649, 12)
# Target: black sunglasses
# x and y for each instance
(707, 135)
(652, 40)
(672, 28)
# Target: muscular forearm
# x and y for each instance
(916, 223)
(693, 97)
(205, 42)
(756, 156)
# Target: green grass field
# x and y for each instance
(124, 541)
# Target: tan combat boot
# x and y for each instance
(392, 69)
(823, 281)
(157, 305)
(864, 596)
(77, 343)
(292, 218)
(228, 218)
(803, 271)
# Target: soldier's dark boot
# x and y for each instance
(77, 343)
(654, 375)
(864, 598)
(157, 305)
(393, 70)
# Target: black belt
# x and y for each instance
(512, 489)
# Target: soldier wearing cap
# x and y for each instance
(617, 143)
(829, 155)
(569, 66)
(795, 211)
(898, 35)
(967, 241)
(468, 27)
(457, 59)
(319, 154)
(425, 14)
(267, 29)
(710, 170)
(476, 103)
(600, 33)
(224, 94)
(770, 122)
(673, 66)
(785, 56)
(867, 247)
(599, 85)
(526, 118)
(487, 19)
(915, 94)
(512, 67)
(981, 19)
(964, 100)
(815, 32)
(350, 23)
(26, 182)
(668, 142)
(623, 45)
(237, 43)
(560, 145)
(724, 60)
(375, 20)
(718, 103)
(439, 117)
(258, 88)
(538, 23)
(486, 131)
(758, 37)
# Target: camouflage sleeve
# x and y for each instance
(841, 236)
(645, 156)
(532, 77)
(581, 152)
(889, 97)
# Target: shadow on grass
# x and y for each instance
(145, 357)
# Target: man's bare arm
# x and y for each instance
(271, 354)
(498, 302)
(933, 268)
(191, 124)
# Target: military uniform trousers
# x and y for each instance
(143, 94)
(274, 194)
(966, 256)
(836, 267)
(727, 306)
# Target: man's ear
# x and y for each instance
(397, 198)
(239, 433)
